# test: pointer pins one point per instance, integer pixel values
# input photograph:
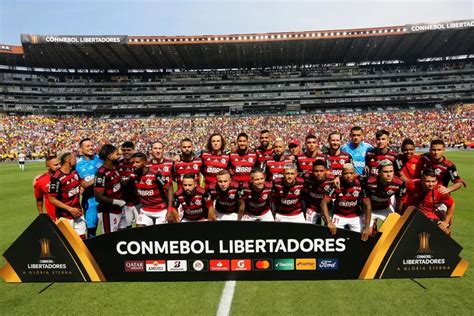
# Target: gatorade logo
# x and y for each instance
(241, 265)
(262, 264)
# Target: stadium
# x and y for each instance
(414, 80)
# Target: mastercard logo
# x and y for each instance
(262, 264)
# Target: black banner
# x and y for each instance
(406, 247)
(28, 39)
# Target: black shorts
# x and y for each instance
(21, 162)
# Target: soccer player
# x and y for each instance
(125, 169)
(386, 192)
(224, 195)
(294, 148)
(407, 165)
(287, 196)
(337, 158)
(265, 150)
(188, 163)
(108, 190)
(87, 165)
(21, 161)
(41, 187)
(274, 167)
(193, 200)
(160, 163)
(426, 195)
(443, 168)
(155, 193)
(382, 152)
(233, 147)
(357, 148)
(349, 199)
(214, 160)
(243, 161)
(316, 183)
(256, 198)
(65, 193)
(312, 153)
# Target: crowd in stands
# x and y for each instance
(37, 135)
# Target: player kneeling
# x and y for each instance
(154, 192)
(193, 201)
(255, 202)
(224, 197)
(426, 195)
(64, 193)
(350, 198)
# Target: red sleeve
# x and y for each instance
(38, 191)
(448, 200)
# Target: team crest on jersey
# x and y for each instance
(297, 192)
(437, 172)
(250, 159)
(148, 181)
(223, 161)
(232, 196)
(355, 193)
(265, 196)
(326, 188)
(166, 169)
(342, 161)
(390, 192)
(198, 202)
(99, 180)
(195, 167)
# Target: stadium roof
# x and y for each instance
(405, 43)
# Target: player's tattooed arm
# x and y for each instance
(367, 207)
(241, 209)
(325, 210)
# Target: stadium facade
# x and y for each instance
(419, 65)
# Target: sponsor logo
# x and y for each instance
(219, 265)
(155, 265)
(284, 264)
(328, 263)
(198, 265)
(306, 264)
(134, 266)
(176, 265)
(241, 265)
(262, 264)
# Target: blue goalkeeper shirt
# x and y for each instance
(358, 154)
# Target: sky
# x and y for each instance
(200, 17)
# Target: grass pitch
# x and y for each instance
(420, 296)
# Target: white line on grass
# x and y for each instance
(226, 299)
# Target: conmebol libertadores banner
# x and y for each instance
(407, 246)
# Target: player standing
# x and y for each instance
(287, 196)
(337, 158)
(256, 198)
(125, 169)
(21, 161)
(65, 193)
(108, 190)
(312, 153)
(193, 201)
(349, 199)
(41, 187)
(224, 197)
(243, 161)
(357, 148)
(214, 160)
(188, 163)
(382, 152)
(264, 151)
(274, 167)
(386, 192)
(407, 165)
(155, 193)
(316, 183)
(87, 165)
(160, 163)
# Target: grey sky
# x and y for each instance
(179, 17)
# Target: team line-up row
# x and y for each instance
(348, 186)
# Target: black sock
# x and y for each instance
(91, 232)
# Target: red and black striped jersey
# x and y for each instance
(109, 181)
(67, 189)
(305, 163)
(183, 167)
(381, 194)
(194, 205)
(444, 170)
(314, 190)
(263, 155)
(211, 165)
(165, 167)
(275, 168)
(288, 199)
(241, 165)
(257, 203)
(125, 169)
(226, 201)
(150, 188)
(348, 198)
(337, 162)
(374, 156)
